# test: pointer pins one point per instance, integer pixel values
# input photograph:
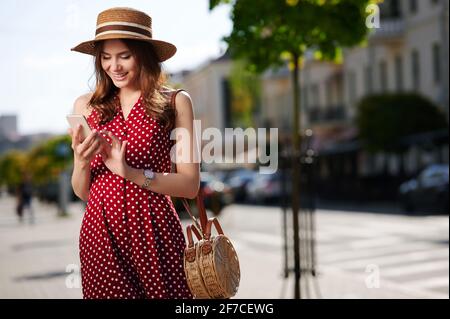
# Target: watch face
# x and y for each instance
(148, 173)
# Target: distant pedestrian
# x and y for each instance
(24, 198)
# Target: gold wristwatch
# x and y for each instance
(149, 176)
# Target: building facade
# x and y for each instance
(407, 53)
(208, 87)
(8, 127)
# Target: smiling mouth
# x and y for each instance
(120, 76)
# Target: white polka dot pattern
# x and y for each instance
(131, 239)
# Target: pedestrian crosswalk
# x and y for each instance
(410, 251)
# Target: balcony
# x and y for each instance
(391, 31)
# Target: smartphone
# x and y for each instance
(75, 119)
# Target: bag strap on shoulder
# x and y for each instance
(174, 95)
(202, 227)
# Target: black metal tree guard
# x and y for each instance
(308, 259)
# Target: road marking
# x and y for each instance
(376, 242)
(262, 238)
(417, 256)
(345, 231)
(334, 255)
(415, 269)
(429, 283)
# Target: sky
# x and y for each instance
(42, 77)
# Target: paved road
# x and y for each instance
(400, 256)
(412, 252)
(377, 255)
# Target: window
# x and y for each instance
(352, 87)
(304, 97)
(383, 76)
(398, 73)
(226, 101)
(315, 96)
(395, 9)
(415, 66)
(413, 6)
(390, 9)
(329, 93)
(368, 78)
(437, 63)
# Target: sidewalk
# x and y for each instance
(41, 261)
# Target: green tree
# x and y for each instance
(245, 95)
(12, 165)
(267, 32)
(50, 158)
(383, 120)
(45, 162)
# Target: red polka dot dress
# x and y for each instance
(131, 239)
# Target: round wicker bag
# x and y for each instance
(211, 264)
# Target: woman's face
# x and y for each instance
(119, 63)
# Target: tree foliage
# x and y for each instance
(265, 32)
(12, 165)
(245, 92)
(44, 161)
(383, 120)
(50, 158)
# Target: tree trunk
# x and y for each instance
(296, 175)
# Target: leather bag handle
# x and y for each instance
(199, 198)
(189, 231)
(212, 221)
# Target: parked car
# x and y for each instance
(238, 182)
(224, 175)
(216, 195)
(265, 188)
(428, 191)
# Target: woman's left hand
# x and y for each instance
(114, 155)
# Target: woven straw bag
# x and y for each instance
(211, 264)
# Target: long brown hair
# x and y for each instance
(151, 81)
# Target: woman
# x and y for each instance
(131, 239)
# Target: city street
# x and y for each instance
(410, 254)
(360, 255)
(339, 105)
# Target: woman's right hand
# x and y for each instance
(85, 150)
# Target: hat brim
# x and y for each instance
(164, 50)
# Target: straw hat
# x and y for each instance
(126, 23)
